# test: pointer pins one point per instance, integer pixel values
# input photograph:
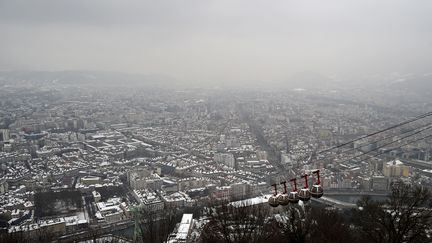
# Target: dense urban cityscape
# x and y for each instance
(77, 162)
(215, 121)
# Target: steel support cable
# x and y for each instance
(382, 146)
(403, 145)
(375, 133)
(378, 132)
(385, 138)
(424, 128)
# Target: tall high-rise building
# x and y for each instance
(4, 135)
(3, 186)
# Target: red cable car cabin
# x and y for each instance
(304, 193)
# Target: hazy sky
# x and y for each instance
(217, 39)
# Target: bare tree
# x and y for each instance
(146, 225)
(42, 234)
(328, 225)
(17, 237)
(237, 224)
(154, 226)
(405, 217)
(294, 224)
(303, 223)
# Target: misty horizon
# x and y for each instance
(217, 42)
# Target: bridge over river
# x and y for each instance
(348, 198)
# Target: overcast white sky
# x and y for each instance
(211, 40)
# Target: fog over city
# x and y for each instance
(219, 42)
(215, 121)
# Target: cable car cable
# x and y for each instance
(382, 139)
(376, 155)
(382, 146)
(375, 133)
(378, 132)
(385, 138)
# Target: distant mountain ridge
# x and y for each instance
(416, 83)
(412, 83)
(82, 78)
